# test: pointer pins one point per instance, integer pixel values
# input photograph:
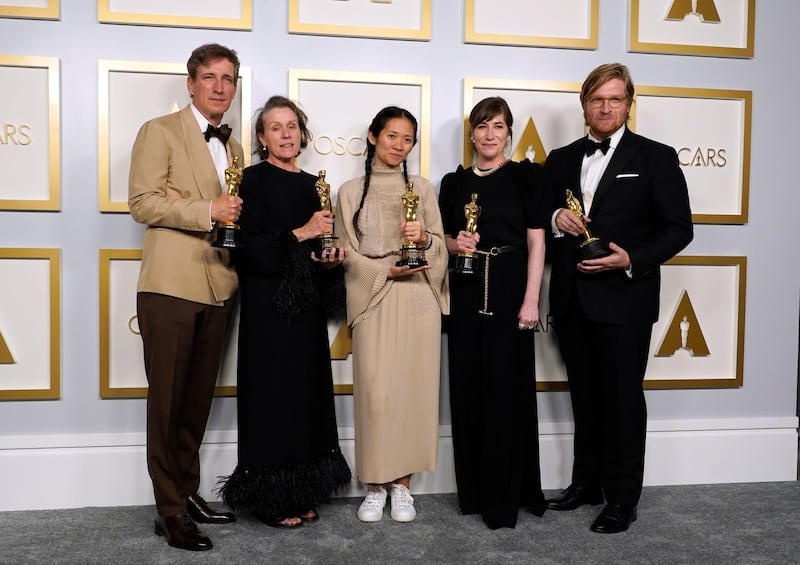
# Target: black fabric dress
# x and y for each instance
(492, 375)
(289, 456)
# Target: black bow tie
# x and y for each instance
(223, 132)
(592, 146)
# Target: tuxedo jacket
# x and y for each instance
(171, 184)
(642, 205)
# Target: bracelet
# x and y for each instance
(430, 242)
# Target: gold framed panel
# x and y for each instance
(708, 293)
(567, 24)
(45, 10)
(17, 358)
(120, 345)
(122, 111)
(23, 134)
(341, 340)
(711, 131)
(331, 98)
(547, 114)
(205, 14)
(712, 28)
(383, 19)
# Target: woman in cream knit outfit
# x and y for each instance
(395, 313)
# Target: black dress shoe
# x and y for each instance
(200, 512)
(182, 533)
(613, 519)
(574, 496)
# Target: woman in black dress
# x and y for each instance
(492, 317)
(289, 456)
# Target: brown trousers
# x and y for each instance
(183, 346)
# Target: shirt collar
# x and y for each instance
(202, 122)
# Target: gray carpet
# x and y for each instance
(742, 523)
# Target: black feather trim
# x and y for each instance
(280, 491)
(296, 292)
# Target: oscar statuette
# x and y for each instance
(410, 253)
(325, 241)
(591, 247)
(228, 232)
(465, 261)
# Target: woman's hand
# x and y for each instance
(330, 258)
(528, 316)
(467, 242)
(414, 232)
(320, 222)
(396, 272)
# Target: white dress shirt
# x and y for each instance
(218, 154)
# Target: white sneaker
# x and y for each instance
(402, 504)
(371, 510)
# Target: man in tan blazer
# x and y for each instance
(186, 287)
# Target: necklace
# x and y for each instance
(486, 172)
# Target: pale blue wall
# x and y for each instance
(769, 240)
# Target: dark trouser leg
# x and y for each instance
(622, 351)
(575, 338)
(183, 343)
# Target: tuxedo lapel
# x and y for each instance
(203, 170)
(627, 148)
(575, 153)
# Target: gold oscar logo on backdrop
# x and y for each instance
(684, 332)
(342, 345)
(703, 157)
(354, 145)
(706, 10)
(13, 134)
(530, 145)
(5, 353)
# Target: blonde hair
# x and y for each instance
(604, 73)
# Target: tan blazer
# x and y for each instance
(172, 182)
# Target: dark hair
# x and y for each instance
(375, 128)
(281, 102)
(211, 52)
(487, 109)
(601, 75)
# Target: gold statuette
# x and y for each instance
(410, 253)
(228, 232)
(465, 261)
(326, 241)
(591, 247)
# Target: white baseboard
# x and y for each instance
(73, 471)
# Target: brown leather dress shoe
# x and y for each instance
(573, 497)
(182, 533)
(200, 512)
(613, 519)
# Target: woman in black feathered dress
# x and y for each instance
(289, 456)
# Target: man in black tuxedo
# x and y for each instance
(634, 198)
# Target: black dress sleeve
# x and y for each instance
(448, 192)
(535, 195)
